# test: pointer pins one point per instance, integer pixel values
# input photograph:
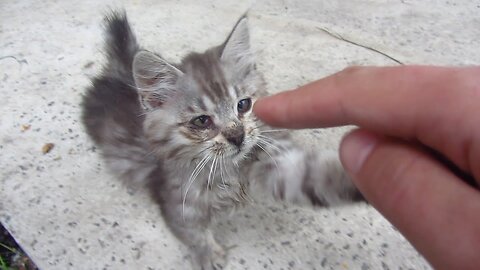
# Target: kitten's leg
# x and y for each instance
(302, 177)
(190, 223)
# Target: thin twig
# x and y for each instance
(337, 36)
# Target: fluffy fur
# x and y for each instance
(188, 130)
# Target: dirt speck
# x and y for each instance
(88, 64)
(47, 148)
(25, 128)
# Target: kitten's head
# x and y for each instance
(203, 106)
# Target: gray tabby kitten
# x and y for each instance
(188, 130)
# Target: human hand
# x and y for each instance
(399, 111)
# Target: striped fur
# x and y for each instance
(140, 111)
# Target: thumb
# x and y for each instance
(432, 208)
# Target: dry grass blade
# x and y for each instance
(337, 36)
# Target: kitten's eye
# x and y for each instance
(203, 121)
(244, 105)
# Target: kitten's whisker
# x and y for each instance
(272, 130)
(198, 168)
(211, 170)
(203, 166)
(215, 169)
(201, 152)
(266, 152)
(222, 164)
(274, 143)
(149, 153)
(271, 144)
(195, 172)
(194, 177)
(261, 126)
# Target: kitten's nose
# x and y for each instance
(235, 135)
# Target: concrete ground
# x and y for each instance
(68, 213)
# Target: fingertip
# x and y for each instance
(259, 106)
(266, 108)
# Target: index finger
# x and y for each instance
(435, 105)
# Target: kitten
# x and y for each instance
(188, 130)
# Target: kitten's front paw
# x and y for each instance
(212, 257)
(214, 261)
(218, 257)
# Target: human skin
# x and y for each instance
(401, 111)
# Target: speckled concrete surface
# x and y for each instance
(68, 213)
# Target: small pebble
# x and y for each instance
(47, 148)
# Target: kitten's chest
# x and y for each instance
(221, 190)
(209, 186)
(228, 196)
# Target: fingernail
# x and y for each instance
(356, 148)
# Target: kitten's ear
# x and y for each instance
(155, 78)
(236, 49)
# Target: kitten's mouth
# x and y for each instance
(242, 151)
(233, 153)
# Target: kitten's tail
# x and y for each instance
(111, 111)
(120, 45)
